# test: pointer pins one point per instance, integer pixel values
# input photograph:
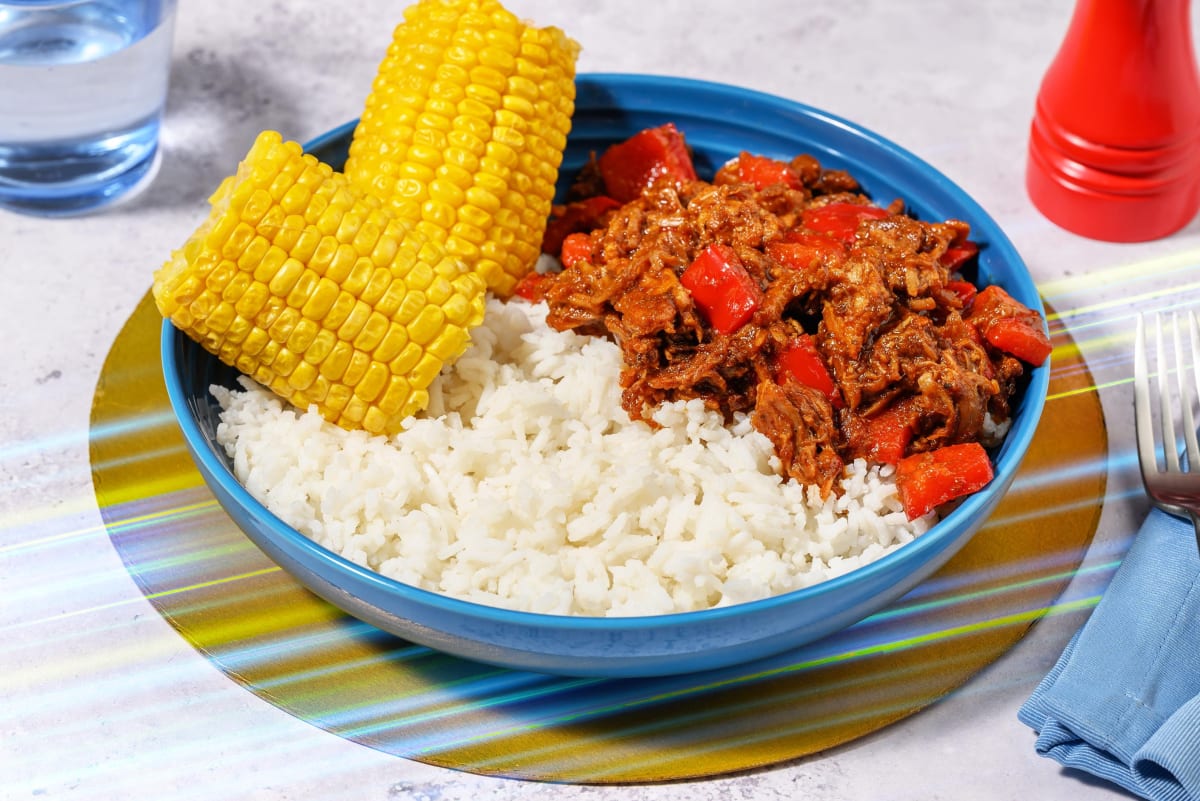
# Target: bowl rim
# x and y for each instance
(919, 550)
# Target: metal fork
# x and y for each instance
(1173, 488)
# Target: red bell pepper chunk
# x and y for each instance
(628, 168)
(793, 254)
(965, 290)
(532, 286)
(840, 220)
(801, 361)
(890, 432)
(722, 289)
(959, 254)
(763, 172)
(1021, 338)
(1009, 325)
(800, 250)
(819, 241)
(582, 215)
(927, 480)
(576, 247)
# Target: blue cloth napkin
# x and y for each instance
(1123, 701)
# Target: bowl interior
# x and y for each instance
(719, 121)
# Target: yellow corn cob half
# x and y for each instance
(319, 292)
(464, 131)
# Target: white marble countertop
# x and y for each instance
(101, 698)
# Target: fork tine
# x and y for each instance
(1169, 484)
(1165, 411)
(1187, 392)
(1142, 418)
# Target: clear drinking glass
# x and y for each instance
(82, 89)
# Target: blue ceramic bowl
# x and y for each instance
(719, 121)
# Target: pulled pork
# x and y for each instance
(882, 306)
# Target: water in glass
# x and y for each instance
(82, 89)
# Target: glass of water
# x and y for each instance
(82, 89)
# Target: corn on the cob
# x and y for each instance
(317, 291)
(465, 128)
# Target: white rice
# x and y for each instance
(526, 486)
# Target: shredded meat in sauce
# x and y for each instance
(881, 309)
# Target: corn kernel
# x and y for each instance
(301, 379)
(284, 362)
(373, 382)
(319, 349)
(303, 289)
(253, 254)
(356, 368)
(406, 360)
(372, 332)
(395, 338)
(285, 278)
(398, 389)
(302, 336)
(283, 325)
(353, 414)
(426, 325)
(354, 322)
(377, 284)
(270, 263)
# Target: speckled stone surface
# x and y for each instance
(100, 698)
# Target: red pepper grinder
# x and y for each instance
(1114, 149)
